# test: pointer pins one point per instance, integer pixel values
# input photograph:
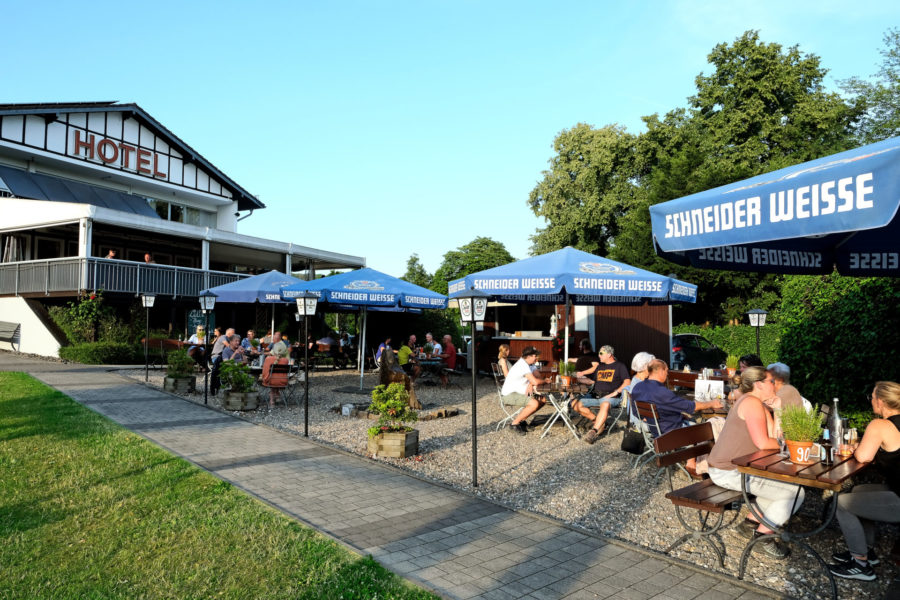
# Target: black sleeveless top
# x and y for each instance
(888, 463)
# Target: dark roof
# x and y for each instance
(245, 200)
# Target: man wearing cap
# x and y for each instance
(518, 389)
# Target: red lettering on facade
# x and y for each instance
(101, 151)
(143, 161)
(88, 145)
(156, 171)
(126, 154)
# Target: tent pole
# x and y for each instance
(566, 312)
(362, 346)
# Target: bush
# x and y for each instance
(179, 364)
(839, 336)
(391, 404)
(740, 339)
(103, 353)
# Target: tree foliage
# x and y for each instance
(838, 335)
(416, 273)
(879, 101)
(479, 254)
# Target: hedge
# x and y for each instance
(840, 336)
(739, 339)
(103, 353)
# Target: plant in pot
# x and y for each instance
(731, 363)
(429, 349)
(392, 436)
(179, 372)
(238, 385)
(567, 372)
(801, 429)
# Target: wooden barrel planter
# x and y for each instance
(239, 400)
(395, 444)
(179, 385)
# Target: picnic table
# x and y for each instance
(770, 464)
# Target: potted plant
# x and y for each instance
(567, 372)
(800, 429)
(238, 385)
(731, 364)
(179, 372)
(429, 349)
(391, 436)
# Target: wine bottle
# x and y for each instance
(827, 457)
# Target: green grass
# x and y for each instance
(90, 510)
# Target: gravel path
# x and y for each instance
(593, 487)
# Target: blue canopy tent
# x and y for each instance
(264, 288)
(368, 289)
(573, 275)
(837, 211)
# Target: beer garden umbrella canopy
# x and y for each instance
(264, 288)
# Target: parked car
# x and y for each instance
(696, 351)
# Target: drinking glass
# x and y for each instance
(782, 446)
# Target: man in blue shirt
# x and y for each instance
(670, 407)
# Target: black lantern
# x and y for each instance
(757, 318)
(147, 300)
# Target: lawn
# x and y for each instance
(90, 510)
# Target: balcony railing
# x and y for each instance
(76, 274)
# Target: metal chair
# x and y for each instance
(623, 407)
(498, 379)
(649, 422)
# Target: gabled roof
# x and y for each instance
(245, 200)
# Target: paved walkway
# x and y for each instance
(447, 541)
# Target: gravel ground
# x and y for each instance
(592, 487)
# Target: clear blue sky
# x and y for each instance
(383, 128)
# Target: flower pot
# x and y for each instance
(239, 400)
(179, 385)
(399, 444)
(731, 371)
(566, 380)
(800, 452)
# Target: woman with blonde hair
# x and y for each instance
(748, 428)
(503, 359)
(871, 502)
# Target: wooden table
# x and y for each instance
(559, 395)
(769, 464)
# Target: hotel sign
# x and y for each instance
(129, 157)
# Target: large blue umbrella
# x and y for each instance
(841, 210)
(569, 274)
(368, 288)
(264, 288)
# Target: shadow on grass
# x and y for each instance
(363, 579)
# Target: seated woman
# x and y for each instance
(503, 359)
(857, 511)
(385, 345)
(747, 429)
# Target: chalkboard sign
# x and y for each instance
(196, 317)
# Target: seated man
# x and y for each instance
(216, 359)
(234, 351)
(670, 407)
(785, 393)
(406, 361)
(612, 378)
(518, 389)
(279, 348)
(449, 358)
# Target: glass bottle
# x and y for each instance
(834, 425)
(827, 456)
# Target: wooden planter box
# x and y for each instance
(239, 400)
(179, 385)
(395, 445)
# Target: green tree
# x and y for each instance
(479, 254)
(879, 100)
(587, 190)
(416, 273)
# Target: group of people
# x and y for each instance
(751, 425)
(407, 356)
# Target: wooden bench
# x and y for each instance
(159, 348)
(675, 447)
(9, 332)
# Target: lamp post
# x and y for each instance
(757, 318)
(472, 306)
(207, 303)
(306, 306)
(147, 300)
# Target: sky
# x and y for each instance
(385, 129)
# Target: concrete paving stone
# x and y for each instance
(583, 594)
(459, 577)
(645, 586)
(540, 579)
(633, 574)
(680, 592)
(664, 579)
(468, 590)
(727, 588)
(751, 595)
(721, 595)
(631, 594)
(497, 594)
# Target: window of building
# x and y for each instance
(182, 214)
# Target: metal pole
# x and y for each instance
(474, 422)
(757, 343)
(146, 353)
(306, 375)
(206, 359)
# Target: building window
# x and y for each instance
(179, 213)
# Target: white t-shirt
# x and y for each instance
(437, 349)
(517, 381)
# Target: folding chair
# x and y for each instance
(275, 376)
(648, 424)
(623, 407)
(498, 379)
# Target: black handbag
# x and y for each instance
(633, 441)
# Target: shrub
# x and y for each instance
(740, 339)
(102, 353)
(839, 336)
(391, 404)
(179, 364)
(235, 376)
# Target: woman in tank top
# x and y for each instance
(858, 510)
(748, 428)
(503, 359)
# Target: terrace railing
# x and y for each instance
(93, 274)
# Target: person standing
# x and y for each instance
(449, 358)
